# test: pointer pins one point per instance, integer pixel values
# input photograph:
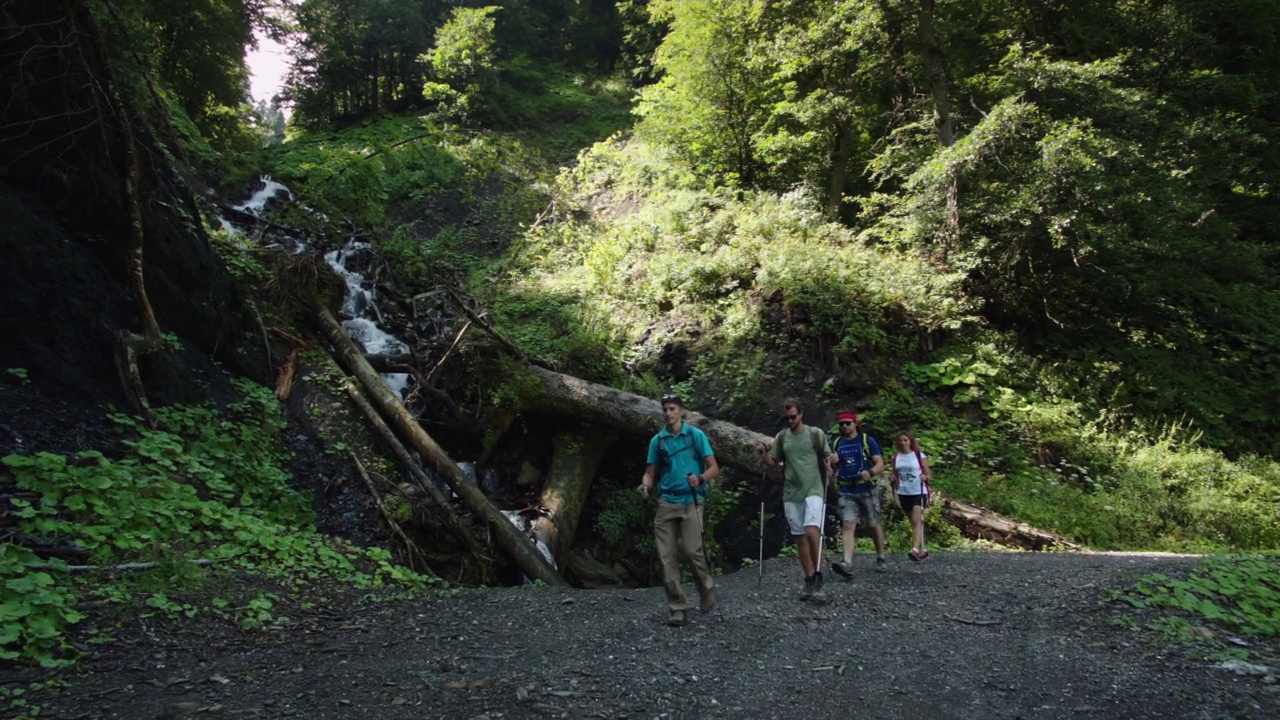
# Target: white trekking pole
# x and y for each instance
(822, 527)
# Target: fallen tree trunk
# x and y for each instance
(517, 546)
(738, 447)
(439, 503)
(575, 456)
(977, 522)
(601, 405)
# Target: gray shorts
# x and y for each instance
(860, 509)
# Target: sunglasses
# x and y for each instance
(792, 417)
(846, 422)
(670, 399)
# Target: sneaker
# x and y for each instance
(881, 565)
(708, 601)
(914, 555)
(844, 568)
(676, 618)
(807, 593)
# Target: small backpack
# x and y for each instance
(924, 484)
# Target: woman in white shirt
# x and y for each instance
(911, 477)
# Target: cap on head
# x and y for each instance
(847, 416)
(672, 398)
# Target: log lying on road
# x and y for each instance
(517, 546)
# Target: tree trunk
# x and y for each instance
(738, 447)
(131, 345)
(840, 168)
(980, 523)
(575, 456)
(439, 504)
(602, 406)
(518, 547)
(937, 77)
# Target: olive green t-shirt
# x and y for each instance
(803, 477)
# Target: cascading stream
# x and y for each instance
(361, 319)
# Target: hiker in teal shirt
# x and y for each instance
(681, 460)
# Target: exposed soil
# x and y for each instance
(961, 635)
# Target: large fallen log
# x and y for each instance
(977, 522)
(601, 405)
(517, 546)
(738, 447)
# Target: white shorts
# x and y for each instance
(804, 513)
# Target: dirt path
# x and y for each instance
(958, 636)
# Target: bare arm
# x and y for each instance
(646, 482)
(765, 445)
(711, 472)
(925, 471)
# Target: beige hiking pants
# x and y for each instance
(675, 525)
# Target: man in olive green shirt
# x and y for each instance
(805, 455)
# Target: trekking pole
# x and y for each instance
(702, 529)
(760, 562)
(822, 528)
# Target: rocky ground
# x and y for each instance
(961, 635)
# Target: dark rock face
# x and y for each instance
(62, 205)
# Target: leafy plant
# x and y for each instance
(206, 485)
(1241, 593)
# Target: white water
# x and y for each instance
(258, 202)
(360, 320)
(526, 527)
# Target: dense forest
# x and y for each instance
(1038, 234)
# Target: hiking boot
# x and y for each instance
(807, 593)
(843, 568)
(676, 618)
(914, 555)
(881, 564)
(817, 596)
(708, 601)
(923, 555)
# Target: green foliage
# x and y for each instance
(711, 255)
(1241, 593)
(204, 485)
(33, 608)
(626, 520)
(464, 57)
(20, 374)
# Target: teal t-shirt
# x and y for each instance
(686, 453)
(803, 476)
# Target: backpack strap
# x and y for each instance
(817, 436)
(664, 456)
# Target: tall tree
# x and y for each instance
(708, 103)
